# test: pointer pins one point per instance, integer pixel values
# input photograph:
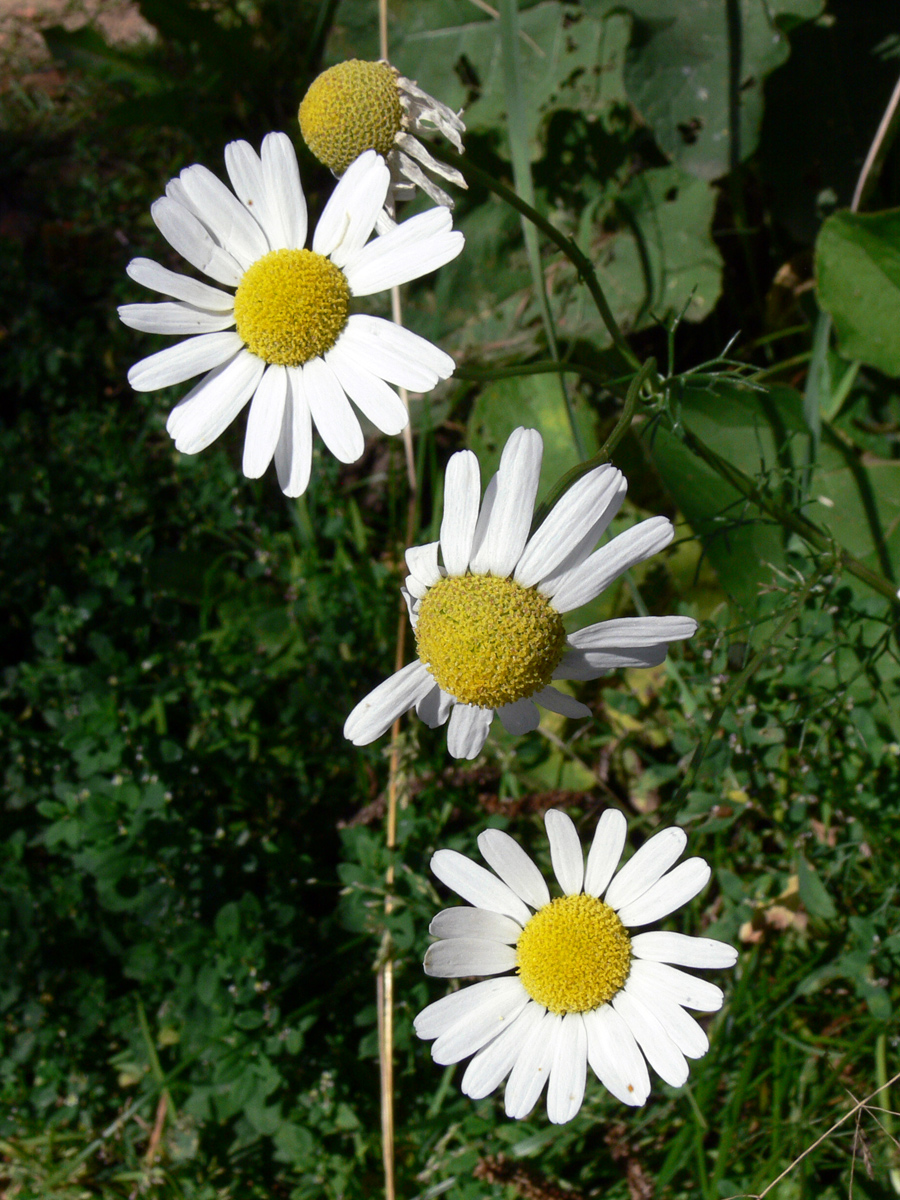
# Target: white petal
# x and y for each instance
(224, 215)
(686, 990)
(264, 421)
(468, 956)
(568, 1072)
(210, 407)
(183, 361)
(684, 1031)
(519, 717)
(423, 563)
(462, 497)
(632, 633)
(481, 1025)
(180, 287)
(605, 852)
(293, 454)
(434, 708)
(331, 412)
(532, 1068)
(192, 240)
(397, 695)
(245, 172)
(514, 867)
(662, 1054)
(417, 246)
(349, 216)
(443, 1014)
(490, 1066)
(501, 534)
(468, 730)
(371, 395)
(592, 534)
(583, 664)
(667, 894)
(394, 353)
(465, 922)
(643, 870)
(566, 853)
(171, 316)
(614, 1056)
(584, 583)
(285, 205)
(662, 946)
(477, 885)
(567, 523)
(559, 702)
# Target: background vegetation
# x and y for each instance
(192, 860)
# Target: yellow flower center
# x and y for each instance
(351, 108)
(290, 306)
(574, 954)
(488, 641)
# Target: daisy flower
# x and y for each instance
(488, 620)
(357, 106)
(585, 988)
(284, 335)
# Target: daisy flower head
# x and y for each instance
(584, 988)
(357, 106)
(282, 335)
(487, 601)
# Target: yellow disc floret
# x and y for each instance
(488, 641)
(351, 108)
(291, 305)
(574, 954)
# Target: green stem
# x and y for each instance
(543, 368)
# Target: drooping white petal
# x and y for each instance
(583, 665)
(462, 496)
(481, 1025)
(667, 894)
(293, 454)
(679, 948)
(661, 1052)
(459, 957)
(423, 563)
(614, 1056)
(500, 539)
(466, 922)
(559, 702)
(223, 214)
(566, 853)
(490, 1066)
(183, 231)
(684, 1031)
(582, 584)
(686, 990)
(332, 415)
(605, 852)
(434, 708)
(151, 275)
(417, 246)
(443, 1014)
(569, 1070)
(394, 353)
(376, 714)
(532, 1068)
(349, 216)
(285, 207)
(477, 885)
(565, 525)
(519, 717)
(210, 407)
(514, 867)
(643, 870)
(371, 395)
(173, 317)
(468, 729)
(183, 361)
(264, 421)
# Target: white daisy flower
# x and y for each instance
(284, 336)
(357, 106)
(488, 620)
(585, 988)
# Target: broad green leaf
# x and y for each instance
(813, 892)
(858, 272)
